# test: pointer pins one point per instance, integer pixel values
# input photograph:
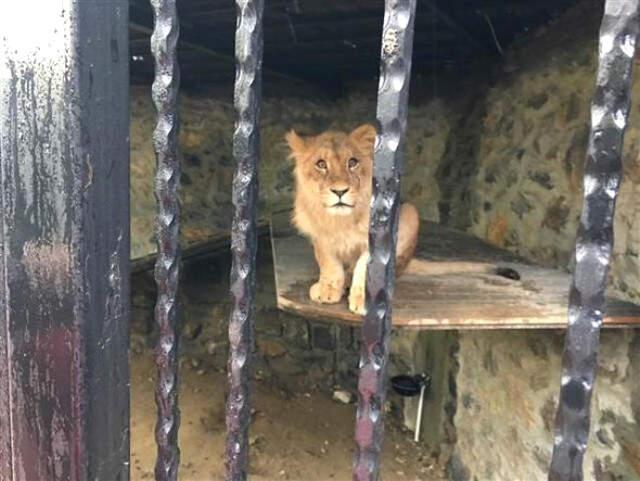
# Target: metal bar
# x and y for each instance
(246, 149)
(165, 88)
(393, 98)
(64, 239)
(609, 113)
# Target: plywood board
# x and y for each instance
(459, 300)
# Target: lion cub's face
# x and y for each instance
(333, 170)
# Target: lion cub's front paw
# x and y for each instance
(325, 293)
(356, 300)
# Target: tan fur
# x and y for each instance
(340, 234)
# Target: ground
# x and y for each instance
(294, 435)
(298, 432)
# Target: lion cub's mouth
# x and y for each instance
(340, 209)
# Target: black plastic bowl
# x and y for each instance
(409, 386)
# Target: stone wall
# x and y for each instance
(508, 386)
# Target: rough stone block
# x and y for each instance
(322, 337)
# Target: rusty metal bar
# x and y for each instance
(603, 172)
(246, 147)
(393, 98)
(165, 88)
(64, 240)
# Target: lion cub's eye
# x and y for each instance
(353, 163)
(321, 164)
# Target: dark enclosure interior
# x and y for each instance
(334, 44)
(466, 53)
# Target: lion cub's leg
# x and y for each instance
(407, 241)
(330, 286)
(356, 292)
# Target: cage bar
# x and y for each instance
(603, 172)
(393, 98)
(165, 88)
(64, 239)
(246, 146)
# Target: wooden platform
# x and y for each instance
(196, 250)
(448, 301)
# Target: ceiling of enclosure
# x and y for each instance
(332, 42)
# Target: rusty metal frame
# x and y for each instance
(64, 238)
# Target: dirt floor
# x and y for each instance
(298, 432)
(303, 436)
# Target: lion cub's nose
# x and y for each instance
(340, 192)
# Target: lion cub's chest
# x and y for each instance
(349, 246)
(344, 239)
(346, 243)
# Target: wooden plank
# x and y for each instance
(453, 300)
(196, 250)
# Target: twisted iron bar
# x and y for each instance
(393, 98)
(164, 42)
(603, 172)
(246, 145)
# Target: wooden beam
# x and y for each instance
(198, 250)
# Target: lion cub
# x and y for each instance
(333, 175)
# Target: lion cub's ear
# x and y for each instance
(297, 144)
(364, 136)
